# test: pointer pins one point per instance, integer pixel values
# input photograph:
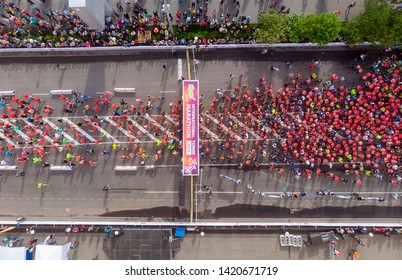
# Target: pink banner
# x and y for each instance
(191, 158)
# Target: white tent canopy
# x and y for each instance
(52, 252)
(12, 253)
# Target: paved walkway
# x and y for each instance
(259, 246)
(232, 245)
(251, 8)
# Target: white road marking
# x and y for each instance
(214, 136)
(163, 129)
(110, 137)
(227, 192)
(224, 127)
(167, 91)
(40, 94)
(242, 125)
(128, 134)
(6, 139)
(171, 119)
(143, 130)
(77, 128)
(50, 140)
(153, 192)
(55, 127)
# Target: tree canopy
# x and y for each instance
(274, 28)
(320, 28)
(380, 22)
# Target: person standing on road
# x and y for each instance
(61, 67)
(351, 5)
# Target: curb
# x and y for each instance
(120, 50)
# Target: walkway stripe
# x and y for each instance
(143, 130)
(110, 137)
(168, 117)
(214, 136)
(23, 135)
(160, 192)
(77, 128)
(128, 134)
(55, 127)
(169, 134)
(267, 128)
(242, 125)
(50, 140)
(6, 139)
(224, 127)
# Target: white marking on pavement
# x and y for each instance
(6, 139)
(50, 140)
(110, 137)
(152, 192)
(77, 128)
(242, 125)
(167, 91)
(214, 136)
(224, 127)
(40, 94)
(228, 192)
(128, 134)
(169, 134)
(168, 117)
(55, 127)
(143, 129)
(266, 128)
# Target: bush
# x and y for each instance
(321, 29)
(274, 28)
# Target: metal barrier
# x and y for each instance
(126, 168)
(124, 90)
(60, 168)
(8, 167)
(179, 69)
(61, 91)
(7, 93)
(104, 221)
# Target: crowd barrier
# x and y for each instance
(60, 168)
(124, 90)
(8, 167)
(126, 168)
(7, 93)
(61, 91)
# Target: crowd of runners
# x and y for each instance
(309, 125)
(314, 122)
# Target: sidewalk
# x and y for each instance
(247, 8)
(234, 245)
(258, 246)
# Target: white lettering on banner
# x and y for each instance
(188, 121)
(192, 120)
(188, 148)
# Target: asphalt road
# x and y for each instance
(79, 193)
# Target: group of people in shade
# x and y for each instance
(38, 26)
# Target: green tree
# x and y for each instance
(294, 28)
(380, 22)
(321, 28)
(274, 27)
(351, 32)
